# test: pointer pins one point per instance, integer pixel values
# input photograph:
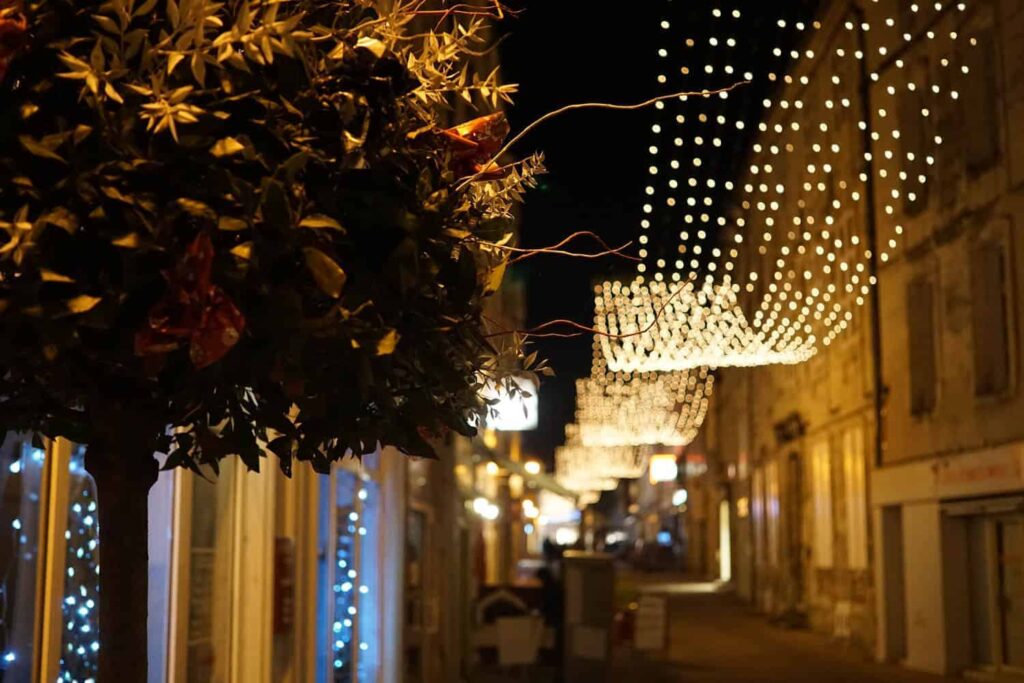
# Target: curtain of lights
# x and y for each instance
(640, 409)
(588, 470)
(770, 263)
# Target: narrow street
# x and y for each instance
(715, 638)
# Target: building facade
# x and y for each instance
(945, 497)
(883, 507)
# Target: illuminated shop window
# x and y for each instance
(21, 473)
(369, 553)
(349, 548)
(80, 632)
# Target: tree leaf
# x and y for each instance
(231, 224)
(62, 218)
(494, 277)
(320, 221)
(128, 241)
(329, 275)
(376, 47)
(112, 93)
(226, 147)
(83, 303)
(38, 149)
(243, 251)
(386, 346)
(52, 276)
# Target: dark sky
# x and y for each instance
(562, 52)
(567, 51)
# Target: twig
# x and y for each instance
(596, 105)
(556, 249)
(537, 332)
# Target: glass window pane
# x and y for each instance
(21, 470)
(209, 581)
(369, 588)
(80, 637)
(161, 524)
(346, 575)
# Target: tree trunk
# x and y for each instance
(124, 470)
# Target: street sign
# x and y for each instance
(651, 624)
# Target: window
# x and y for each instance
(980, 104)
(921, 345)
(950, 125)
(208, 572)
(990, 319)
(80, 631)
(821, 482)
(348, 649)
(21, 473)
(855, 491)
(52, 531)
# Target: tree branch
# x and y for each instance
(595, 105)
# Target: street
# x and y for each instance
(715, 638)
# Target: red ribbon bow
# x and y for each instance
(194, 310)
(474, 144)
(13, 32)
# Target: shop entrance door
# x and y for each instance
(1011, 591)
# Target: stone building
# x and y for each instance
(903, 539)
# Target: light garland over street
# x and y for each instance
(768, 269)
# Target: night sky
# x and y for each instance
(562, 52)
(565, 51)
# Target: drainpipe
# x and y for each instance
(872, 234)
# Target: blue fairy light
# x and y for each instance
(79, 663)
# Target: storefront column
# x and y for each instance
(922, 545)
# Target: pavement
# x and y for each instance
(716, 638)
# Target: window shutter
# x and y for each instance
(921, 337)
(949, 168)
(980, 102)
(990, 321)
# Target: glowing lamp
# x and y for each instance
(680, 497)
(513, 413)
(663, 468)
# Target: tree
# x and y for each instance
(240, 226)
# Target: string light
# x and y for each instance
(769, 268)
(637, 409)
(80, 640)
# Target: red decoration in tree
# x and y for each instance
(474, 144)
(13, 32)
(194, 310)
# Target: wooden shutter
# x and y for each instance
(949, 168)
(980, 101)
(921, 351)
(990, 320)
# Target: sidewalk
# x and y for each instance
(715, 638)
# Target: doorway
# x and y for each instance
(996, 571)
(1010, 600)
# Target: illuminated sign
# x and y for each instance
(663, 468)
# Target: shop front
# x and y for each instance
(950, 562)
(253, 577)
